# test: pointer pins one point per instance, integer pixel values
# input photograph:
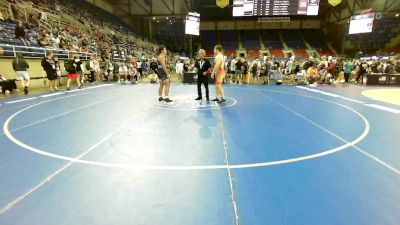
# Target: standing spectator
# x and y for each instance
(245, 70)
(267, 69)
(139, 67)
(58, 70)
(179, 69)
(348, 67)
(108, 69)
(49, 66)
(238, 70)
(20, 67)
(96, 68)
(232, 70)
(20, 33)
(255, 69)
(90, 67)
(79, 70)
(123, 72)
(71, 66)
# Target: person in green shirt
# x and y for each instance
(348, 67)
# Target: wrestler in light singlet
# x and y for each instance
(219, 72)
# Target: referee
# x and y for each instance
(203, 67)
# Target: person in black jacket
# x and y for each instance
(20, 33)
(203, 67)
(49, 66)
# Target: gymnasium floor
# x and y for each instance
(281, 155)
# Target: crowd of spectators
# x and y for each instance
(313, 71)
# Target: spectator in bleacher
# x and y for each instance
(20, 67)
(55, 40)
(13, 11)
(20, 33)
(49, 66)
(44, 41)
(43, 16)
(71, 66)
(7, 86)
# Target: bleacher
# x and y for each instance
(253, 53)
(208, 41)
(300, 53)
(276, 53)
(293, 39)
(229, 40)
(250, 40)
(271, 39)
(315, 38)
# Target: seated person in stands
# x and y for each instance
(7, 86)
(275, 73)
(43, 41)
(133, 74)
(312, 74)
(390, 67)
(20, 33)
(325, 76)
(153, 77)
(123, 73)
(301, 75)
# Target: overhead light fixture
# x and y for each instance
(167, 17)
(154, 18)
(398, 14)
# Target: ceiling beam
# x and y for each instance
(166, 5)
(142, 7)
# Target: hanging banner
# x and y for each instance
(222, 3)
(334, 2)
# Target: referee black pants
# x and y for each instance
(205, 82)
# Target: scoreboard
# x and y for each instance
(275, 7)
(192, 24)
